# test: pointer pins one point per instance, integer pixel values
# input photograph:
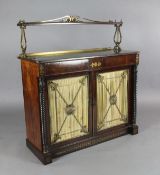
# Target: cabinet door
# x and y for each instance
(112, 98)
(68, 107)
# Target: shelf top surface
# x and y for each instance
(45, 57)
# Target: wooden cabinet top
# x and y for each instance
(47, 57)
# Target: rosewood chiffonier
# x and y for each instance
(78, 98)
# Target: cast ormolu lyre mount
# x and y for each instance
(71, 20)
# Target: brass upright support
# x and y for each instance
(23, 38)
(117, 38)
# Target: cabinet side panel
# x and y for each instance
(30, 73)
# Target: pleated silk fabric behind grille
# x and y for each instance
(68, 104)
(68, 108)
(112, 99)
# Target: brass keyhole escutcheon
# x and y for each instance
(96, 64)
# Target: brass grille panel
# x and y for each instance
(112, 99)
(68, 108)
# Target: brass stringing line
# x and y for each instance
(105, 115)
(77, 121)
(90, 20)
(56, 89)
(62, 97)
(119, 85)
(62, 125)
(78, 90)
(106, 112)
(76, 94)
(119, 110)
(105, 87)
